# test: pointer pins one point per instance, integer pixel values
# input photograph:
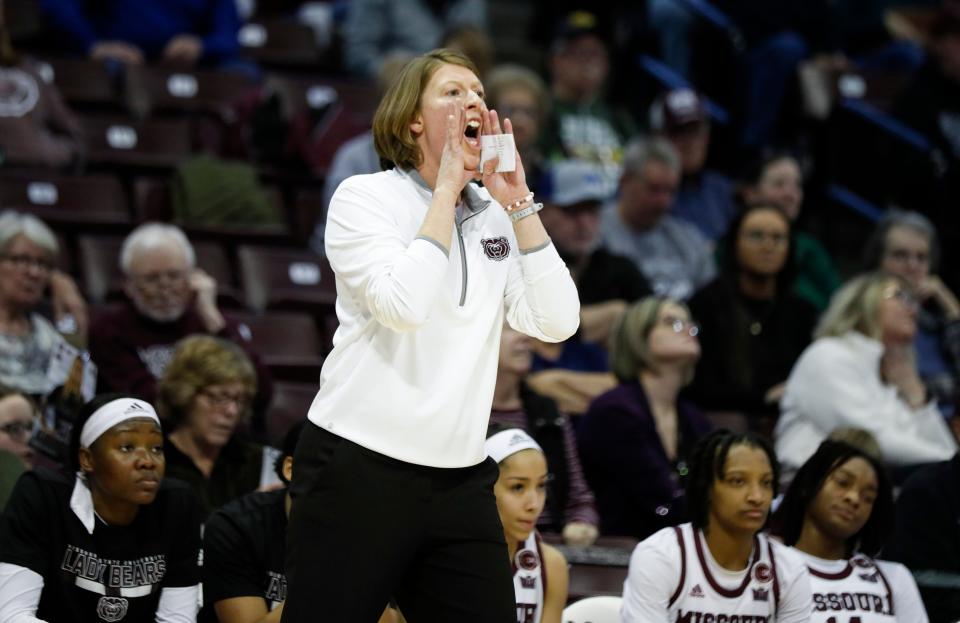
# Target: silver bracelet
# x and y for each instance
(533, 208)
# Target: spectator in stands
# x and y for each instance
(754, 326)
(860, 371)
(186, 33)
(19, 415)
(635, 439)
(705, 197)
(28, 253)
(376, 28)
(905, 244)
(926, 539)
(112, 540)
(540, 589)
(169, 298)
(671, 253)
(204, 396)
(778, 179)
(837, 514)
(731, 486)
(570, 509)
(520, 95)
(573, 192)
(582, 124)
(37, 128)
(243, 550)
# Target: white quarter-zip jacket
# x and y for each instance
(414, 361)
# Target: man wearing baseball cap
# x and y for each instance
(583, 124)
(705, 197)
(573, 194)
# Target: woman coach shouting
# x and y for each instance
(392, 494)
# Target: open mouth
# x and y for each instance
(472, 132)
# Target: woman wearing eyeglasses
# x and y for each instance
(204, 398)
(634, 440)
(861, 371)
(18, 414)
(754, 326)
(28, 251)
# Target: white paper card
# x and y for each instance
(502, 145)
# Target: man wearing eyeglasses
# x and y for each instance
(169, 298)
(671, 253)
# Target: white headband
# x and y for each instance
(111, 414)
(508, 442)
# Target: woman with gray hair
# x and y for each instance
(905, 244)
(635, 439)
(28, 253)
(860, 371)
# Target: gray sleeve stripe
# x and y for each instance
(540, 247)
(445, 250)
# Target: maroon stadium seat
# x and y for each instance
(279, 42)
(63, 201)
(153, 143)
(167, 89)
(289, 343)
(82, 82)
(291, 401)
(280, 278)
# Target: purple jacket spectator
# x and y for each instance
(637, 489)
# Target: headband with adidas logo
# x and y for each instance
(508, 442)
(111, 414)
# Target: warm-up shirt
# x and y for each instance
(414, 360)
(674, 577)
(863, 589)
(244, 549)
(114, 573)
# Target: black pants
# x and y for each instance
(365, 527)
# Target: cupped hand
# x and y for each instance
(508, 186)
(452, 174)
(203, 286)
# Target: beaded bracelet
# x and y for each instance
(516, 205)
(533, 208)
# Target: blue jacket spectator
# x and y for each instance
(155, 28)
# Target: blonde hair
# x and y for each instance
(198, 362)
(392, 137)
(629, 343)
(860, 438)
(854, 307)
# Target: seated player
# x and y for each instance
(115, 542)
(244, 551)
(837, 514)
(720, 566)
(539, 571)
